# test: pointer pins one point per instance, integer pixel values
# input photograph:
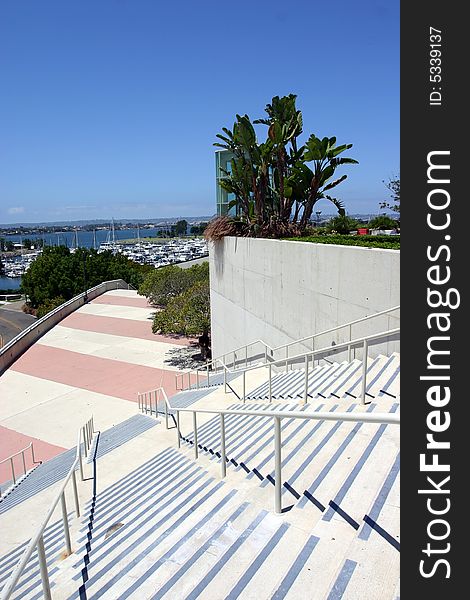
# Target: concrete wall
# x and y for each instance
(15, 347)
(281, 291)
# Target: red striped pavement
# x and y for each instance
(125, 327)
(139, 302)
(101, 375)
(12, 441)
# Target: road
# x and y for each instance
(13, 320)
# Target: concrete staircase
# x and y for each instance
(172, 528)
(336, 380)
(54, 470)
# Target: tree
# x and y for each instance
(181, 227)
(186, 314)
(162, 285)
(273, 186)
(393, 184)
(58, 273)
(198, 229)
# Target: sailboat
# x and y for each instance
(110, 243)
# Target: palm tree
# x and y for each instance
(271, 181)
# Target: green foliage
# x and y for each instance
(162, 285)
(183, 295)
(198, 229)
(393, 185)
(382, 222)
(276, 183)
(186, 314)
(49, 305)
(342, 224)
(59, 273)
(369, 241)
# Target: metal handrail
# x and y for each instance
(267, 348)
(386, 418)
(12, 466)
(312, 355)
(37, 541)
(144, 402)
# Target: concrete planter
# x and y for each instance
(281, 291)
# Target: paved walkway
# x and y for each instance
(94, 362)
(13, 320)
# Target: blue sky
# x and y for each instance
(110, 108)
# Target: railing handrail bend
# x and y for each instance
(17, 453)
(277, 416)
(35, 540)
(220, 359)
(296, 357)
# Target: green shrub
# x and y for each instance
(48, 306)
(342, 224)
(368, 241)
(382, 222)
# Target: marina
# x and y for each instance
(158, 253)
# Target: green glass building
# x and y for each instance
(222, 163)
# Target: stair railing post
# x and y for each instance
(166, 412)
(189, 380)
(277, 465)
(207, 374)
(270, 393)
(244, 387)
(234, 360)
(65, 521)
(364, 371)
(80, 461)
(24, 462)
(84, 442)
(225, 380)
(265, 354)
(246, 356)
(349, 353)
(306, 380)
(287, 357)
(196, 453)
(32, 453)
(46, 586)
(223, 458)
(197, 379)
(75, 494)
(178, 428)
(12, 470)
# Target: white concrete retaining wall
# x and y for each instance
(15, 347)
(281, 291)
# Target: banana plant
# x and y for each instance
(272, 181)
(324, 154)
